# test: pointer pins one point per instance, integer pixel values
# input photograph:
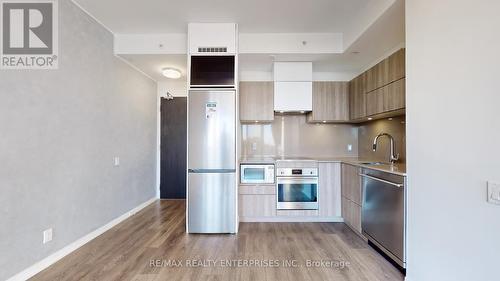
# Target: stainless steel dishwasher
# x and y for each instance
(383, 219)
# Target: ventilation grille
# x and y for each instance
(212, 50)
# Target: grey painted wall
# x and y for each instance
(59, 132)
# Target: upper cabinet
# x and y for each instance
(256, 102)
(380, 91)
(386, 71)
(387, 99)
(377, 93)
(330, 102)
(396, 65)
(357, 103)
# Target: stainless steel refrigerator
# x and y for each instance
(212, 193)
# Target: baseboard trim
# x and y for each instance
(56, 256)
(291, 219)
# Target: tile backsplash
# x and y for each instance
(291, 135)
(368, 131)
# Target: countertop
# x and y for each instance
(398, 168)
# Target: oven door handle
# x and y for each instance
(297, 180)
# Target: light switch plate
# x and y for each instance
(47, 235)
(116, 161)
(349, 147)
(493, 192)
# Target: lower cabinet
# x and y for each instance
(351, 196)
(355, 222)
(258, 202)
(351, 212)
(329, 189)
(351, 183)
(256, 206)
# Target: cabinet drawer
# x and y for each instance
(351, 183)
(257, 205)
(355, 216)
(257, 189)
(345, 210)
(351, 212)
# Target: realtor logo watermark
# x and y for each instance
(29, 34)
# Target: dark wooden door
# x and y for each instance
(173, 148)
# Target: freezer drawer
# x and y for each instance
(212, 202)
(383, 213)
(212, 130)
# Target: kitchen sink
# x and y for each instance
(374, 163)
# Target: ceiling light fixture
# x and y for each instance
(171, 73)
(369, 118)
(324, 121)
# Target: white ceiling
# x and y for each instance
(371, 28)
(384, 36)
(271, 16)
(153, 64)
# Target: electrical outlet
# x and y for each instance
(47, 235)
(349, 147)
(493, 193)
(116, 161)
(254, 146)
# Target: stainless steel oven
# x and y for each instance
(297, 189)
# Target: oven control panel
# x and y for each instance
(297, 172)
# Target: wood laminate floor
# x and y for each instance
(153, 245)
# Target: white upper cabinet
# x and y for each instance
(212, 38)
(293, 71)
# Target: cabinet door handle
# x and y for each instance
(382, 180)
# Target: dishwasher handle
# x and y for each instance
(382, 180)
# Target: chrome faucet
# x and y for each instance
(394, 157)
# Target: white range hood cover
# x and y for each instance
(292, 87)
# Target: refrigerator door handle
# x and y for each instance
(211, 171)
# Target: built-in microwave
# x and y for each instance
(257, 173)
